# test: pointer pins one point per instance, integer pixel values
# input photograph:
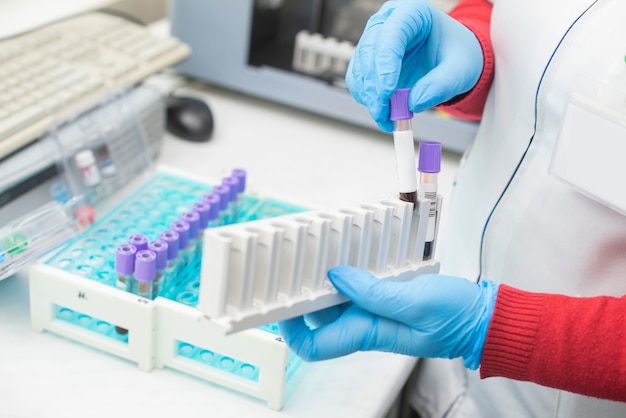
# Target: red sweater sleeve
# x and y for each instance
(569, 343)
(476, 15)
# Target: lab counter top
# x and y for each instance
(287, 153)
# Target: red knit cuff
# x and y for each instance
(470, 105)
(511, 335)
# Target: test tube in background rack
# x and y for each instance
(140, 241)
(233, 197)
(159, 247)
(204, 212)
(404, 145)
(182, 228)
(171, 269)
(223, 192)
(213, 199)
(429, 167)
(193, 219)
(142, 283)
(125, 265)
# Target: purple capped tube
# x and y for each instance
(145, 274)
(213, 199)
(124, 265)
(171, 268)
(159, 247)
(224, 193)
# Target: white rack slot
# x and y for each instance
(360, 236)
(400, 231)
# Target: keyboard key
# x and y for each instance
(19, 120)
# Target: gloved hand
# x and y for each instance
(428, 316)
(412, 44)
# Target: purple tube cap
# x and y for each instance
(139, 240)
(233, 183)
(399, 105)
(224, 193)
(159, 247)
(125, 259)
(193, 219)
(429, 157)
(171, 238)
(145, 266)
(203, 209)
(241, 175)
(182, 227)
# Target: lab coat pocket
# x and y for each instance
(589, 153)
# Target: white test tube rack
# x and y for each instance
(274, 269)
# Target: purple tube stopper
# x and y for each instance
(171, 238)
(159, 247)
(193, 219)
(212, 199)
(145, 266)
(203, 209)
(429, 157)
(233, 183)
(125, 259)
(241, 175)
(399, 105)
(182, 227)
(224, 193)
(139, 240)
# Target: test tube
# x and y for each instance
(213, 199)
(159, 247)
(404, 145)
(233, 197)
(145, 273)
(171, 269)
(140, 241)
(241, 175)
(125, 265)
(224, 193)
(193, 219)
(182, 227)
(429, 167)
(204, 211)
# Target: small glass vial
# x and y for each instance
(86, 164)
(182, 228)
(193, 219)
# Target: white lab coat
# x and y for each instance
(545, 235)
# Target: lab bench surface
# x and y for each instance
(307, 159)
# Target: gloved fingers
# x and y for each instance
(325, 316)
(381, 297)
(355, 330)
(406, 29)
(362, 74)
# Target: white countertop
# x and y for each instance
(287, 153)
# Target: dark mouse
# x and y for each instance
(189, 118)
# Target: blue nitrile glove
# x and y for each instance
(412, 44)
(428, 316)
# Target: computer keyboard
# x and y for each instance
(54, 72)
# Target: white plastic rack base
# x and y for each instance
(85, 307)
(274, 269)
